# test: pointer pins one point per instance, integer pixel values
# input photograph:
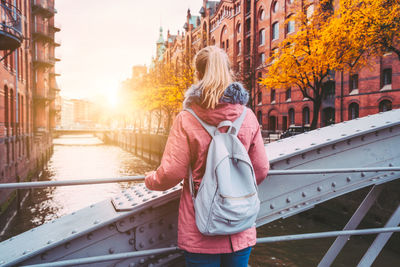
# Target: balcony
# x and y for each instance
(43, 7)
(10, 27)
(43, 32)
(43, 61)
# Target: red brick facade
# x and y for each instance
(249, 31)
(27, 90)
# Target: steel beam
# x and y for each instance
(353, 223)
(380, 241)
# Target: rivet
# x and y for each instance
(161, 236)
(73, 213)
(297, 149)
(288, 161)
(120, 203)
(319, 188)
(343, 134)
(96, 222)
(373, 126)
(92, 206)
(141, 245)
(390, 129)
(281, 154)
(43, 256)
(89, 236)
(318, 151)
(271, 166)
(288, 200)
(132, 219)
(390, 165)
(333, 146)
(111, 227)
(151, 240)
(312, 144)
(333, 184)
(67, 245)
(303, 156)
(50, 241)
(25, 252)
(272, 206)
(328, 139)
(303, 194)
(362, 138)
(392, 173)
(348, 179)
(362, 174)
(133, 204)
(73, 232)
(131, 241)
(111, 251)
(349, 141)
(141, 229)
(376, 133)
(153, 196)
(141, 261)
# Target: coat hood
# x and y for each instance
(229, 108)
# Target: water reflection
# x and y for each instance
(77, 157)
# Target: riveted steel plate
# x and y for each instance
(136, 195)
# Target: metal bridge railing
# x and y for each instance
(28, 185)
(262, 240)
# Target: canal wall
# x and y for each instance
(149, 147)
(22, 158)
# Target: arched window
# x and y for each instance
(259, 98)
(262, 58)
(275, 31)
(386, 77)
(306, 116)
(261, 37)
(239, 28)
(290, 25)
(291, 116)
(353, 83)
(272, 95)
(275, 7)
(289, 94)
(353, 111)
(239, 47)
(259, 117)
(385, 105)
(261, 15)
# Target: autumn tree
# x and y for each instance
(305, 58)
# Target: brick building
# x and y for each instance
(249, 31)
(28, 89)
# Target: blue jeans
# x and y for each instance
(235, 259)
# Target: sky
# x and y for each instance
(101, 40)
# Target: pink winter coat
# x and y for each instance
(188, 144)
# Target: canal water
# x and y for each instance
(84, 156)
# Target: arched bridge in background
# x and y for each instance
(139, 226)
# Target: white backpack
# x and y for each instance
(227, 200)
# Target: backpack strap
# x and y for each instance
(209, 128)
(238, 122)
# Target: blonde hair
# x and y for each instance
(212, 65)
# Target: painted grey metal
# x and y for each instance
(28, 185)
(103, 258)
(353, 223)
(271, 239)
(380, 241)
(368, 142)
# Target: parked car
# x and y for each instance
(294, 130)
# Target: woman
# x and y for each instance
(214, 98)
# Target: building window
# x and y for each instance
(288, 94)
(290, 1)
(353, 111)
(238, 28)
(385, 105)
(223, 45)
(272, 95)
(290, 25)
(275, 7)
(248, 25)
(247, 45)
(248, 6)
(239, 47)
(386, 77)
(291, 116)
(259, 117)
(275, 31)
(262, 15)
(259, 98)
(310, 11)
(306, 116)
(262, 58)
(261, 37)
(353, 82)
(227, 44)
